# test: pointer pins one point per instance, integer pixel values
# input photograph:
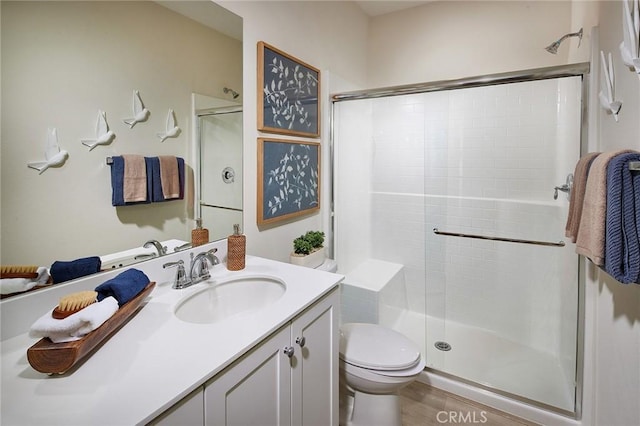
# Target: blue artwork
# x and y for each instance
(289, 179)
(290, 94)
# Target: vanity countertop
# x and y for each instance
(154, 360)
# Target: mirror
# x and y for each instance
(62, 63)
(220, 174)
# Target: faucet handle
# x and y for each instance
(181, 280)
(212, 257)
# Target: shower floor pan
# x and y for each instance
(483, 357)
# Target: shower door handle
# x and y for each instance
(564, 188)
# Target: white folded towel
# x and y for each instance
(75, 326)
(17, 285)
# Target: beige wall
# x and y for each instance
(615, 307)
(452, 39)
(61, 62)
(331, 36)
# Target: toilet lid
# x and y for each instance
(376, 347)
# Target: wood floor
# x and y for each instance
(423, 405)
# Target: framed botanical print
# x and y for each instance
(288, 94)
(288, 179)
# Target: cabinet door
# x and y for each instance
(188, 412)
(315, 364)
(255, 390)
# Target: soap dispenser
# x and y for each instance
(236, 249)
(200, 235)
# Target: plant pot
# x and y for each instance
(312, 260)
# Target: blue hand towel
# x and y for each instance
(156, 182)
(622, 230)
(123, 287)
(181, 176)
(117, 179)
(62, 271)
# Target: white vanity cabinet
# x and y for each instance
(289, 379)
(188, 412)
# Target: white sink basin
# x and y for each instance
(220, 301)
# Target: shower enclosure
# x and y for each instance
(463, 183)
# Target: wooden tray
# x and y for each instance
(48, 357)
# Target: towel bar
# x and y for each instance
(109, 161)
(634, 165)
(508, 240)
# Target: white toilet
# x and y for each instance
(375, 363)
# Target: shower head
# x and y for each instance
(235, 94)
(553, 47)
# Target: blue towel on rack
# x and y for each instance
(117, 181)
(156, 180)
(622, 230)
(62, 271)
(124, 286)
(117, 178)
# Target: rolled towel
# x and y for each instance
(75, 326)
(18, 285)
(124, 287)
(622, 231)
(68, 270)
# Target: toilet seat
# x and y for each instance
(370, 374)
(380, 349)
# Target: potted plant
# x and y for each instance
(308, 249)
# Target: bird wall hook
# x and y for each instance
(54, 156)
(140, 113)
(171, 128)
(608, 100)
(104, 136)
(630, 45)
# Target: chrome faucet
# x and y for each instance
(199, 270)
(182, 247)
(155, 243)
(181, 280)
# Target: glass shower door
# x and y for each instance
(503, 304)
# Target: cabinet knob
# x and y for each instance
(288, 351)
(301, 341)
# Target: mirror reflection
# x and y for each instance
(63, 63)
(220, 136)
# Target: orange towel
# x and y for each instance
(169, 176)
(577, 195)
(134, 183)
(590, 240)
